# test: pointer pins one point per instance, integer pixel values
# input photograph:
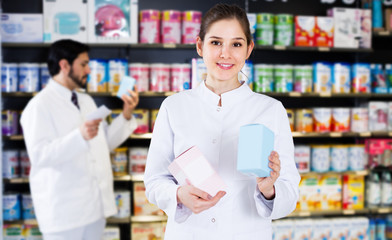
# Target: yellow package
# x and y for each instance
(309, 194)
(331, 192)
(353, 191)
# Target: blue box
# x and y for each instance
(256, 142)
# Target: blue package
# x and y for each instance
(127, 83)
(11, 207)
(378, 79)
(256, 142)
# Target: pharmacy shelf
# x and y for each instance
(125, 178)
(382, 33)
(144, 219)
(357, 173)
(148, 136)
(26, 222)
(346, 212)
(272, 94)
(312, 49)
(192, 46)
(114, 220)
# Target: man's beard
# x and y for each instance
(76, 80)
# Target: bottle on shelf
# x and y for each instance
(373, 191)
(386, 189)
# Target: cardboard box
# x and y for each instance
(347, 22)
(304, 31)
(65, 19)
(324, 31)
(366, 29)
(113, 21)
(388, 19)
(256, 142)
(191, 166)
(21, 28)
(199, 72)
(353, 191)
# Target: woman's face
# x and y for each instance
(224, 50)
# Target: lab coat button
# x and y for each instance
(218, 109)
(213, 220)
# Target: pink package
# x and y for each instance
(191, 21)
(140, 72)
(193, 167)
(180, 77)
(160, 77)
(150, 26)
(171, 26)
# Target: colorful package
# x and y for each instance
(97, 80)
(322, 119)
(304, 30)
(341, 78)
(153, 116)
(141, 116)
(28, 77)
(191, 21)
(353, 191)
(118, 68)
(9, 77)
(199, 72)
(290, 116)
(180, 77)
(309, 194)
(11, 166)
(171, 26)
(340, 120)
(357, 158)
(113, 21)
(322, 80)
(324, 31)
(347, 26)
(141, 205)
(159, 77)
(283, 75)
(264, 78)
(339, 158)
(149, 26)
(137, 160)
(119, 162)
(265, 29)
(302, 158)
(378, 79)
(303, 78)
(304, 120)
(140, 72)
(360, 73)
(366, 29)
(321, 160)
(378, 116)
(359, 119)
(283, 30)
(123, 203)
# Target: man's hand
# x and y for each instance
(130, 103)
(197, 200)
(89, 129)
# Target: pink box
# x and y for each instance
(191, 167)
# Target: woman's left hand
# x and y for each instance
(266, 184)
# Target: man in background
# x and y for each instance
(71, 179)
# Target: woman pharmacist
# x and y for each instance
(210, 117)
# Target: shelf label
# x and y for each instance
(325, 94)
(169, 45)
(324, 49)
(278, 47)
(336, 134)
(365, 134)
(348, 212)
(294, 94)
(362, 173)
(304, 214)
(383, 210)
(390, 134)
(384, 33)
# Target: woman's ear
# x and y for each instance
(250, 48)
(199, 46)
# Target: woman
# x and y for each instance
(210, 117)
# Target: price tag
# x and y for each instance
(349, 212)
(336, 134)
(304, 214)
(324, 49)
(278, 47)
(294, 94)
(169, 45)
(365, 134)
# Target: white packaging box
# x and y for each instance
(303, 229)
(366, 29)
(21, 27)
(322, 229)
(65, 19)
(111, 233)
(347, 22)
(113, 21)
(283, 229)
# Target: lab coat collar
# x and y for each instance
(62, 91)
(229, 98)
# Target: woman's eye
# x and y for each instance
(237, 44)
(215, 43)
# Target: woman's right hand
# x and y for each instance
(197, 200)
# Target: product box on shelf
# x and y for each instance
(323, 33)
(378, 116)
(283, 229)
(330, 192)
(347, 22)
(199, 72)
(151, 230)
(113, 21)
(309, 193)
(111, 233)
(304, 31)
(65, 19)
(366, 29)
(388, 19)
(353, 191)
(141, 206)
(21, 27)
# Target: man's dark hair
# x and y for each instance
(64, 49)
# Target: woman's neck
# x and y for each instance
(220, 87)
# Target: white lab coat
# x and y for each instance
(71, 179)
(194, 118)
